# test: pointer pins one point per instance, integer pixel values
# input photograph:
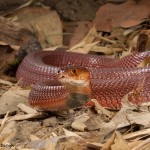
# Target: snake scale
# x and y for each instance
(109, 79)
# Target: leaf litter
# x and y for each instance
(81, 128)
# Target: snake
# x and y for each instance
(63, 80)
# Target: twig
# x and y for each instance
(135, 134)
(106, 39)
(4, 121)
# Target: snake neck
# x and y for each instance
(78, 95)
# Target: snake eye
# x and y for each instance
(74, 71)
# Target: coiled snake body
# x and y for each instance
(110, 79)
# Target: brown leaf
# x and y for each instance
(87, 40)
(140, 118)
(141, 42)
(79, 33)
(126, 15)
(85, 49)
(7, 55)
(95, 145)
(95, 123)
(106, 50)
(140, 133)
(102, 110)
(50, 145)
(134, 144)
(126, 53)
(15, 47)
(10, 99)
(145, 62)
(110, 141)
(27, 109)
(147, 32)
(116, 142)
(17, 39)
(45, 23)
(69, 133)
(143, 145)
(33, 137)
(6, 82)
(118, 121)
(4, 121)
(119, 142)
(79, 123)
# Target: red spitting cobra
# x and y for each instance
(90, 76)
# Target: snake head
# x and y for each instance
(77, 82)
(74, 76)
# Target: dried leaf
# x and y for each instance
(27, 109)
(53, 48)
(50, 145)
(126, 53)
(126, 103)
(95, 145)
(79, 123)
(4, 121)
(140, 118)
(9, 132)
(118, 121)
(130, 30)
(84, 49)
(137, 134)
(45, 143)
(27, 149)
(45, 23)
(102, 110)
(6, 82)
(33, 137)
(126, 15)
(23, 4)
(142, 145)
(115, 142)
(69, 133)
(106, 50)
(79, 33)
(87, 40)
(10, 99)
(134, 144)
(110, 141)
(145, 62)
(133, 42)
(95, 123)
(119, 142)
(23, 117)
(14, 47)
